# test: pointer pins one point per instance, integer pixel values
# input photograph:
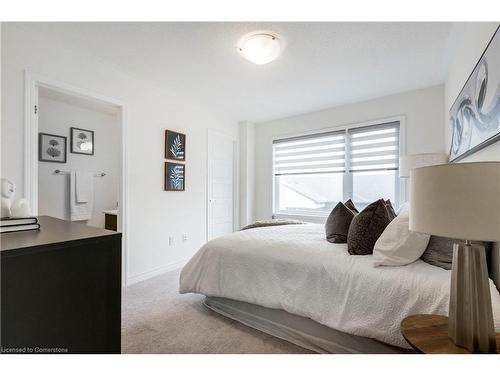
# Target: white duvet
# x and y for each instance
(294, 268)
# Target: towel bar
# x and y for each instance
(58, 171)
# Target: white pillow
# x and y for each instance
(397, 245)
(403, 208)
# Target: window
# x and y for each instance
(312, 173)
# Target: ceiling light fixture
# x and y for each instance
(260, 47)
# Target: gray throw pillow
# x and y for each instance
(439, 251)
(337, 224)
(366, 227)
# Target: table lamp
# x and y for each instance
(462, 201)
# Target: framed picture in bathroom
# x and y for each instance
(175, 176)
(82, 141)
(51, 148)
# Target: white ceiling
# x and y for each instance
(323, 65)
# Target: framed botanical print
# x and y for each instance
(175, 176)
(82, 141)
(52, 148)
(175, 146)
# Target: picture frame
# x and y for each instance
(475, 114)
(175, 145)
(81, 141)
(174, 177)
(52, 148)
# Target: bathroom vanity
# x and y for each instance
(111, 219)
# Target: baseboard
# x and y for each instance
(157, 271)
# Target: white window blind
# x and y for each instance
(374, 148)
(311, 154)
(314, 172)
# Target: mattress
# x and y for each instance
(293, 268)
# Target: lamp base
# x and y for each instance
(470, 321)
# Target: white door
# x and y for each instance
(221, 184)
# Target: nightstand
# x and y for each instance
(429, 334)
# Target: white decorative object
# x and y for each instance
(8, 191)
(12, 207)
(398, 245)
(462, 201)
(20, 208)
(408, 162)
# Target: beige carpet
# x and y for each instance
(157, 319)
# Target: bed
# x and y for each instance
(290, 282)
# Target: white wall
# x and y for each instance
(153, 214)
(468, 43)
(423, 111)
(56, 117)
(247, 172)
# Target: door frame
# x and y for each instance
(211, 134)
(32, 83)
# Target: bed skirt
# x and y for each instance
(298, 330)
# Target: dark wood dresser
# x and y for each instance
(61, 289)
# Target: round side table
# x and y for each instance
(429, 334)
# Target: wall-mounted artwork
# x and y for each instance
(175, 176)
(475, 114)
(51, 148)
(175, 146)
(82, 141)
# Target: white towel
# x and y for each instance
(84, 186)
(79, 211)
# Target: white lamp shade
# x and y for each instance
(457, 200)
(408, 162)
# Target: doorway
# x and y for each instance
(64, 107)
(78, 138)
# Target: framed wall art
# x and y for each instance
(175, 176)
(52, 148)
(175, 146)
(475, 114)
(82, 141)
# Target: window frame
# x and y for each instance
(401, 188)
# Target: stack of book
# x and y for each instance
(18, 224)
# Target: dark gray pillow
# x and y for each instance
(439, 251)
(350, 205)
(337, 224)
(390, 209)
(366, 227)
